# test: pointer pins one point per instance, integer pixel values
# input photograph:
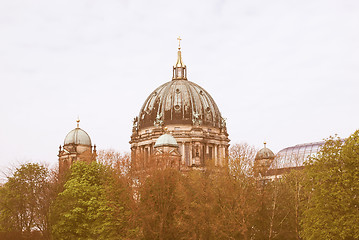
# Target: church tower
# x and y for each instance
(189, 113)
(77, 147)
(263, 161)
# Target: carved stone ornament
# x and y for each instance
(223, 123)
(158, 121)
(196, 119)
(135, 124)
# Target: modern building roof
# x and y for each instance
(295, 156)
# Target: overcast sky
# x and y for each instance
(282, 71)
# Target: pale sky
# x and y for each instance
(281, 71)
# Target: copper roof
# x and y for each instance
(180, 101)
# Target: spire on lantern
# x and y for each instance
(179, 70)
(78, 122)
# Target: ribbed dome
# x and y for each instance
(179, 101)
(264, 153)
(166, 140)
(77, 136)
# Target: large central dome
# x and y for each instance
(189, 114)
(179, 102)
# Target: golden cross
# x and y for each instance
(179, 42)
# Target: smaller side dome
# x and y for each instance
(264, 153)
(166, 140)
(77, 136)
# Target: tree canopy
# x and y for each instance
(332, 181)
(24, 201)
(111, 199)
(84, 210)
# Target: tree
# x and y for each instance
(24, 201)
(332, 181)
(281, 201)
(119, 162)
(293, 200)
(84, 210)
(237, 194)
(255, 207)
(160, 204)
(198, 215)
(219, 202)
(241, 160)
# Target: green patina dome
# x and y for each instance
(77, 136)
(166, 140)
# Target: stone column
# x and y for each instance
(190, 153)
(183, 153)
(215, 155)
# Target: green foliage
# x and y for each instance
(332, 180)
(23, 200)
(83, 210)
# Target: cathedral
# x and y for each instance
(180, 120)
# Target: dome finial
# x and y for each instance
(179, 70)
(179, 42)
(78, 122)
(265, 144)
(179, 63)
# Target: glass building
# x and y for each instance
(295, 156)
